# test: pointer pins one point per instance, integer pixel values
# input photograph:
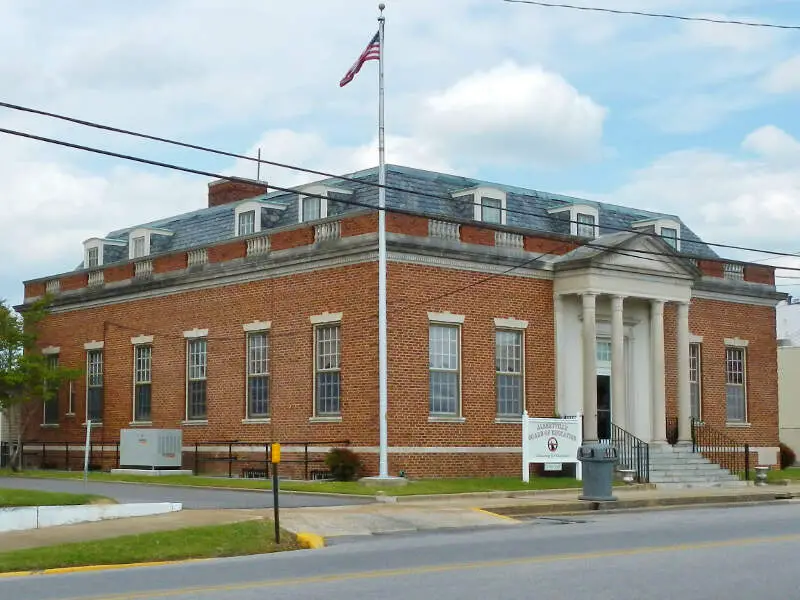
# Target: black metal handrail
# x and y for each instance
(720, 449)
(633, 453)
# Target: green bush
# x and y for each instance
(787, 456)
(343, 464)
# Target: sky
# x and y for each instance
(693, 119)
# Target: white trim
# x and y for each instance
(98, 243)
(49, 350)
(736, 342)
(574, 210)
(446, 419)
(146, 233)
(695, 339)
(142, 339)
(660, 223)
(480, 192)
(315, 190)
(265, 421)
(325, 317)
(195, 423)
(510, 323)
(248, 206)
(93, 345)
(445, 317)
(195, 333)
(257, 326)
(140, 424)
(332, 419)
(733, 297)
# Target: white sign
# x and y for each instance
(550, 441)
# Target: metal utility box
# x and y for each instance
(150, 449)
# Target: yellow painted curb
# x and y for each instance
(499, 516)
(65, 570)
(311, 541)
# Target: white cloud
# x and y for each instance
(784, 77)
(513, 114)
(773, 144)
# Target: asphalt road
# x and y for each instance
(190, 497)
(733, 553)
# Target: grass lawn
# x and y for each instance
(424, 486)
(792, 473)
(237, 539)
(34, 498)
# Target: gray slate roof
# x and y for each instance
(216, 224)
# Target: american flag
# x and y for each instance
(371, 52)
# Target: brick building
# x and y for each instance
(255, 319)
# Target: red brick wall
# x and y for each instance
(547, 245)
(224, 192)
(229, 251)
(407, 224)
(715, 321)
(471, 234)
(171, 262)
(293, 238)
(360, 225)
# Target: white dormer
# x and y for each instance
(139, 240)
(488, 204)
(247, 216)
(669, 229)
(584, 219)
(309, 206)
(93, 251)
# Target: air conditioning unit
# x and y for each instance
(153, 449)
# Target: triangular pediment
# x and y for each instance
(628, 251)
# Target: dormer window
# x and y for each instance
(140, 241)
(313, 201)
(247, 222)
(668, 229)
(92, 257)
(583, 219)
(489, 204)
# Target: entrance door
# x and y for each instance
(604, 407)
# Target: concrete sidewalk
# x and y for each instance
(455, 511)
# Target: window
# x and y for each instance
(585, 225)
(197, 359)
(71, 399)
(444, 363)
(247, 222)
(257, 376)
(603, 351)
(695, 378)
(94, 386)
(733, 271)
(139, 247)
(508, 371)
(327, 377)
(92, 257)
(142, 383)
(735, 392)
(491, 210)
(311, 208)
(50, 416)
(670, 235)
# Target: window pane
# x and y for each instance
(694, 379)
(327, 347)
(444, 393)
(328, 377)
(443, 347)
(51, 411)
(142, 402)
(509, 394)
(508, 366)
(258, 397)
(735, 396)
(92, 257)
(491, 210)
(670, 236)
(94, 406)
(197, 400)
(143, 356)
(311, 209)
(138, 247)
(257, 363)
(328, 389)
(585, 225)
(197, 359)
(247, 222)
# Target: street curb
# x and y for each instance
(89, 568)
(310, 541)
(582, 506)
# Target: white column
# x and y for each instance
(657, 370)
(589, 369)
(618, 375)
(558, 310)
(684, 392)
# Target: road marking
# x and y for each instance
(499, 516)
(412, 571)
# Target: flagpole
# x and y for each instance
(383, 391)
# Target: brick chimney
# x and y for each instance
(223, 191)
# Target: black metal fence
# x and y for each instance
(634, 454)
(5, 454)
(240, 458)
(720, 449)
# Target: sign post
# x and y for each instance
(86, 451)
(275, 456)
(550, 441)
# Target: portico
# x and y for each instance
(612, 296)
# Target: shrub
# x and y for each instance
(787, 456)
(344, 464)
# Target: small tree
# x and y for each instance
(26, 379)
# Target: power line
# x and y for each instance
(309, 171)
(654, 15)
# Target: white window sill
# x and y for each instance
(263, 421)
(94, 425)
(445, 419)
(195, 422)
(330, 419)
(140, 423)
(69, 414)
(738, 425)
(49, 425)
(510, 419)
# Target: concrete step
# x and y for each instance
(683, 486)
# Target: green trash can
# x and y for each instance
(598, 462)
